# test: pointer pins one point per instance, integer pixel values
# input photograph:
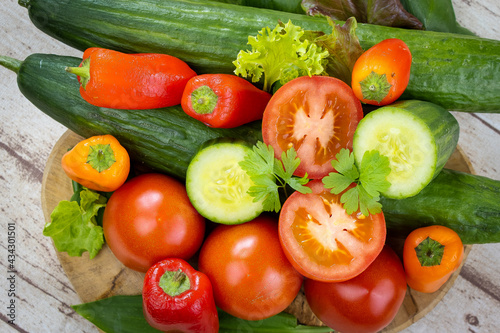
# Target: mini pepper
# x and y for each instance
(99, 163)
(177, 298)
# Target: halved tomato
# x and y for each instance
(322, 241)
(317, 116)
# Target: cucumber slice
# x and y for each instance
(418, 138)
(217, 186)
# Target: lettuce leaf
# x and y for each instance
(73, 226)
(280, 55)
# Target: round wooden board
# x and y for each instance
(105, 276)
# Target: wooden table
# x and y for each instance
(43, 294)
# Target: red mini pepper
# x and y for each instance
(223, 100)
(118, 80)
(178, 298)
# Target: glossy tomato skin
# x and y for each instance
(317, 116)
(250, 275)
(391, 57)
(322, 241)
(150, 218)
(366, 303)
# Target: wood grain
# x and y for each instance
(109, 277)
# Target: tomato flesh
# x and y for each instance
(317, 116)
(322, 241)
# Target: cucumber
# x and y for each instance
(217, 186)
(418, 138)
(455, 71)
(291, 6)
(162, 140)
(468, 204)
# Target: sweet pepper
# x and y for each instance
(99, 163)
(177, 298)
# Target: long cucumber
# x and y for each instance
(457, 72)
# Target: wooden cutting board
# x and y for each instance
(105, 276)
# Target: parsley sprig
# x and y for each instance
(270, 174)
(369, 179)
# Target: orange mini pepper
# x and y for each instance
(99, 163)
(430, 255)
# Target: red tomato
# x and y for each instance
(366, 303)
(317, 116)
(390, 63)
(150, 218)
(250, 275)
(322, 242)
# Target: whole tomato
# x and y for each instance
(365, 303)
(150, 218)
(250, 275)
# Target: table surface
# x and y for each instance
(43, 294)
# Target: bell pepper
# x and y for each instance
(99, 163)
(223, 100)
(177, 298)
(117, 80)
(430, 255)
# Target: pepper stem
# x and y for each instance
(174, 283)
(82, 71)
(375, 87)
(204, 100)
(430, 252)
(101, 157)
(10, 63)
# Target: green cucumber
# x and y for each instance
(163, 140)
(455, 71)
(418, 138)
(468, 204)
(217, 186)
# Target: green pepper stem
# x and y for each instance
(429, 252)
(10, 63)
(82, 71)
(174, 283)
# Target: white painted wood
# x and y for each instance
(43, 292)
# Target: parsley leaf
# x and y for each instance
(270, 174)
(369, 179)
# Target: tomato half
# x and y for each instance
(251, 277)
(322, 241)
(150, 218)
(317, 116)
(366, 303)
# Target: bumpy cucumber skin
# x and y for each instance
(162, 140)
(455, 71)
(468, 204)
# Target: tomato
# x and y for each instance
(381, 74)
(250, 275)
(366, 303)
(317, 116)
(322, 241)
(150, 218)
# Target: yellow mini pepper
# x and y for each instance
(99, 163)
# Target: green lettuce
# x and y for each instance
(73, 226)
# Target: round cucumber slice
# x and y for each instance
(217, 186)
(417, 137)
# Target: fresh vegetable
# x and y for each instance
(223, 100)
(369, 180)
(366, 303)
(73, 226)
(381, 74)
(178, 298)
(317, 116)
(457, 72)
(280, 55)
(99, 163)
(102, 313)
(431, 254)
(250, 275)
(466, 203)
(418, 138)
(217, 186)
(325, 243)
(291, 6)
(117, 80)
(150, 218)
(270, 175)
